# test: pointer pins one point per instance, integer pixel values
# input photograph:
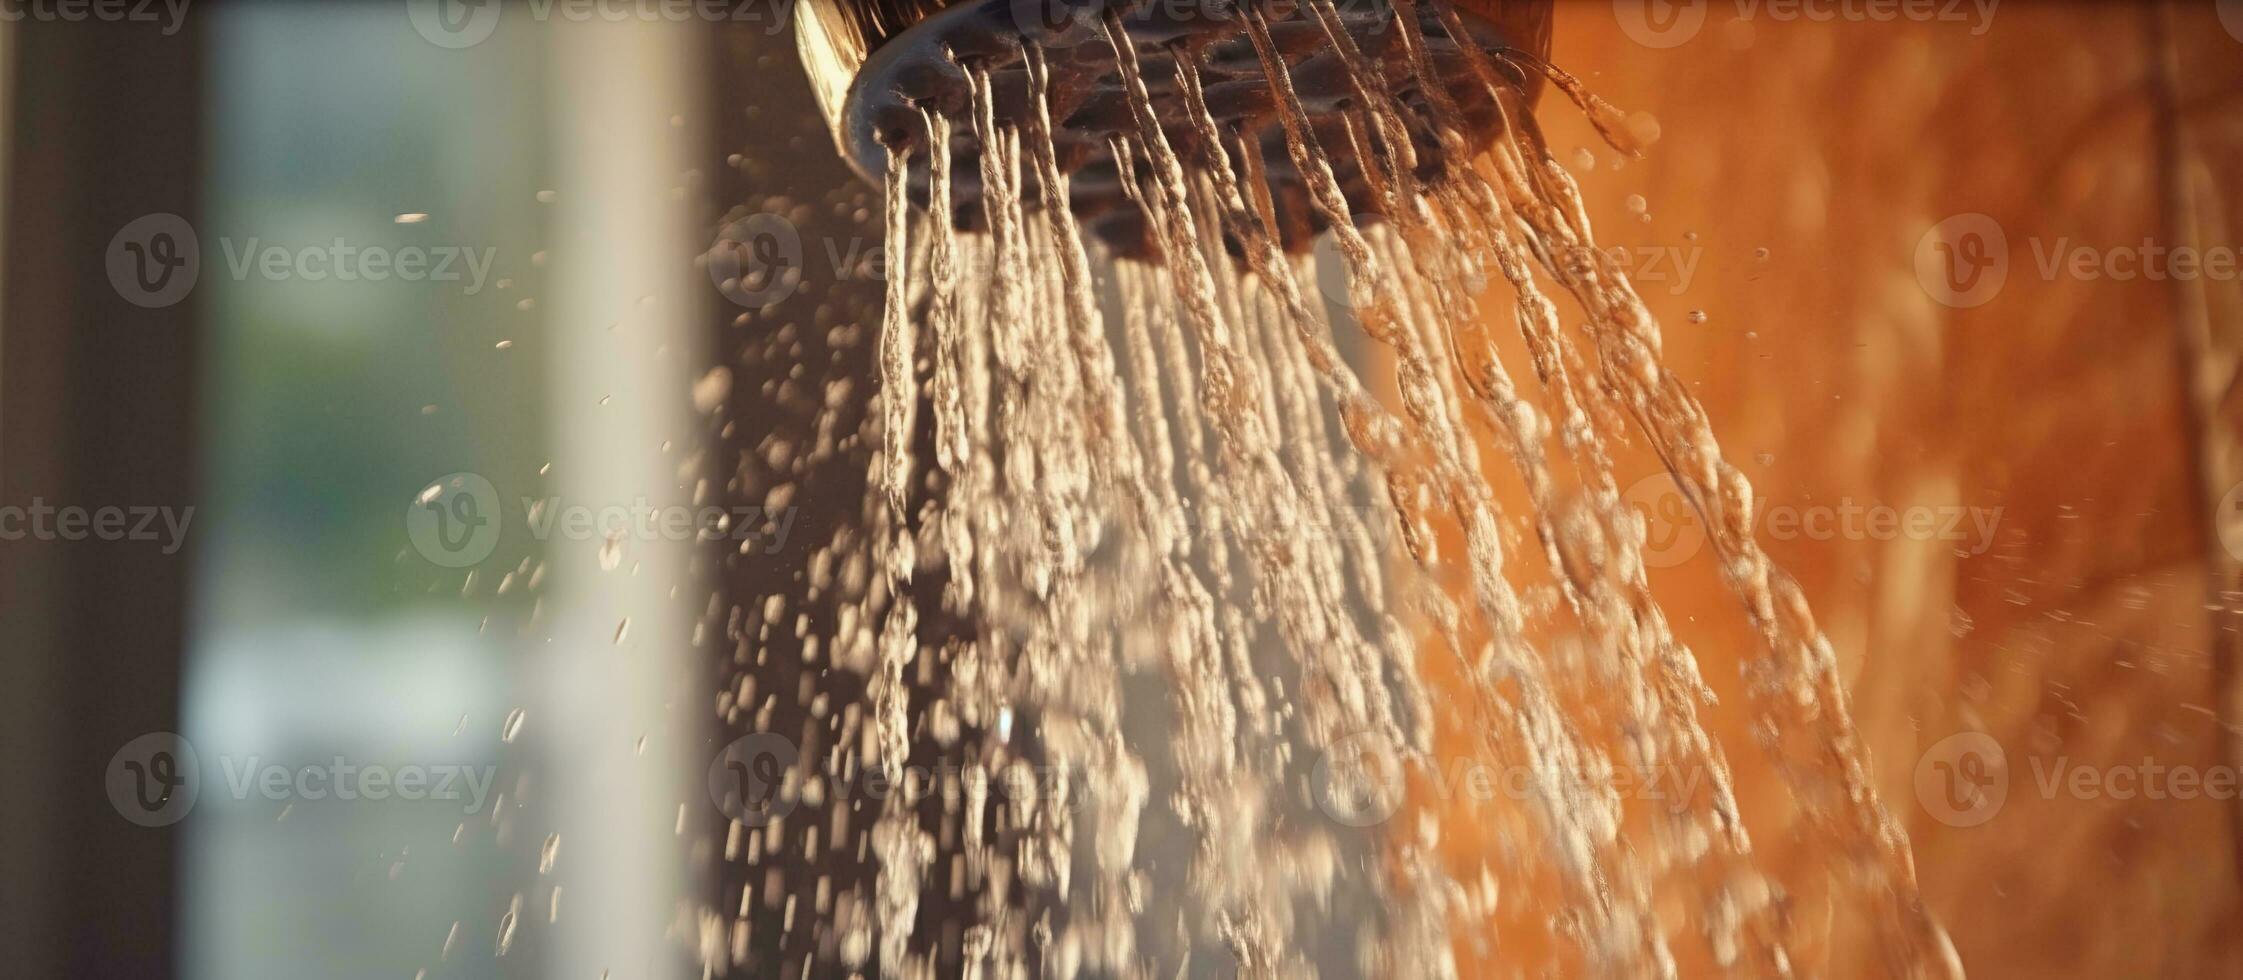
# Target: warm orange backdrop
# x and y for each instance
(1831, 372)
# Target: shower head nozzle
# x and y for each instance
(878, 65)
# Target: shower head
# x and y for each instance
(877, 65)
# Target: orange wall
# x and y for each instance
(1833, 371)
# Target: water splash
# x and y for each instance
(1162, 539)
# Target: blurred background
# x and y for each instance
(390, 325)
(357, 264)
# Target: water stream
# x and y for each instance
(1194, 579)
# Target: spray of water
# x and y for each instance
(1160, 500)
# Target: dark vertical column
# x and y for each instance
(96, 410)
(777, 160)
(786, 348)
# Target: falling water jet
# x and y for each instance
(1114, 501)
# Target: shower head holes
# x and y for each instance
(931, 66)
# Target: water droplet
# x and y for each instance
(709, 392)
(513, 726)
(507, 924)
